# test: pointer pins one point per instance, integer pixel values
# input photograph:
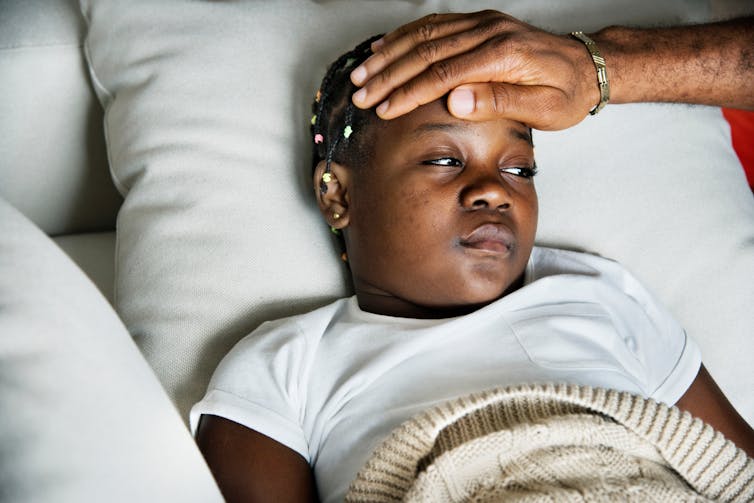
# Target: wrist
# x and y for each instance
(614, 43)
(698, 64)
(587, 91)
(603, 82)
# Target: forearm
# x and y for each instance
(709, 64)
(704, 400)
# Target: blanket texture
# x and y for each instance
(555, 443)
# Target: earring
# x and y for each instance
(335, 216)
(327, 177)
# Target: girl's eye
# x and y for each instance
(522, 171)
(444, 161)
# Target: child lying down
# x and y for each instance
(437, 217)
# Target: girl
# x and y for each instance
(437, 218)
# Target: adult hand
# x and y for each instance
(493, 66)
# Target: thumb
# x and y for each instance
(540, 107)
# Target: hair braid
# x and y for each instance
(336, 123)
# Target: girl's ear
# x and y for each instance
(331, 191)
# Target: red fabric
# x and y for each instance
(742, 133)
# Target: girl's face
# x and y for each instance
(443, 220)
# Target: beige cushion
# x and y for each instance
(206, 116)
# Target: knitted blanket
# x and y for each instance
(555, 443)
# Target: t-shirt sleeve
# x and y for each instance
(656, 350)
(671, 359)
(259, 384)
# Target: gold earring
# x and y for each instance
(327, 177)
(335, 216)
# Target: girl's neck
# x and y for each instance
(388, 305)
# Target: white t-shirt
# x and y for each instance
(332, 383)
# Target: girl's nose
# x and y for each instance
(486, 192)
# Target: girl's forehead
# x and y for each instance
(434, 117)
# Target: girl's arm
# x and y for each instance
(249, 466)
(705, 401)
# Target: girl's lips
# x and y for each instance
(496, 238)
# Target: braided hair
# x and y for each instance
(337, 126)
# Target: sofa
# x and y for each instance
(155, 208)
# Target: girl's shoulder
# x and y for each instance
(546, 262)
(298, 334)
(311, 324)
(571, 272)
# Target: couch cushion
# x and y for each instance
(53, 165)
(94, 253)
(83, 416)
(207, 124)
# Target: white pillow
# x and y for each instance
(207, 126)
(83, 416)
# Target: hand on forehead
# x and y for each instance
(488, 63)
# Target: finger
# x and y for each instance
(423, 57)
(418, 24)
(393, 49)
(437, 80)
(423, 28)
(421, 35)
(540, 107)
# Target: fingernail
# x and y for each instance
(377, 44)
(383, 107)
(359, 75)
(462, 101)
(360, 96)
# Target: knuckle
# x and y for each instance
(408, 96)
(503, 30)
(432, 18)
(510, 57)
(502, 44)
(385, 77)
(484, 29)
(428, 51)
(500, 99)
(386, 53)
(495, 22)
(486, 15)
(496, 43)
(442, 71)
(425, 31)
(490, 13)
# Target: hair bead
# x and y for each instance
(335, 119)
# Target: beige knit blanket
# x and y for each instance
(555, 443)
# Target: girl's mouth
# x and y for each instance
(490, 237)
